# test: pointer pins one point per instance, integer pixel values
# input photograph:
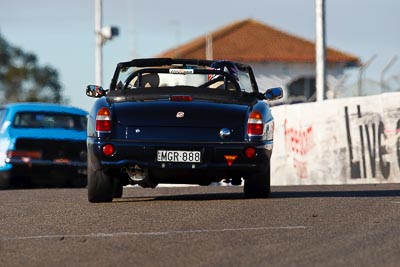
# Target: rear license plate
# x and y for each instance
(178, 156)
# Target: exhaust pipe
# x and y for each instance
(139, 176)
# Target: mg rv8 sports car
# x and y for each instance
(179, 121)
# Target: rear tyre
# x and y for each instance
(100, 186)
(258, 185)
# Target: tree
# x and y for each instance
(22, 79)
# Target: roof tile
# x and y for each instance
(251, 41)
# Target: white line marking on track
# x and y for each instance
(174, 232)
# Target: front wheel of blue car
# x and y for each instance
(258, 185)
(100, 186)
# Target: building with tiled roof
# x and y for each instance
(278, 58)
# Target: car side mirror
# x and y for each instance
(273, 93)
(95, 91)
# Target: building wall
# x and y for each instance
(273, 74)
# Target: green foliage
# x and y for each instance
(22, 79)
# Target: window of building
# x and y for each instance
(302, 90)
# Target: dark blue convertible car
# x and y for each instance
(179, 121)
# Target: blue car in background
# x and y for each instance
(42, 145)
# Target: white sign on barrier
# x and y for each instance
(341, 141)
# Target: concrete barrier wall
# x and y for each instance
(342, 141)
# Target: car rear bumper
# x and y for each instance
(34, 167)
(213, 155)
(41, 162)
(43, 172)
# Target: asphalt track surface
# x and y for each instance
(352, 225)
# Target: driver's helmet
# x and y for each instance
(227, 66)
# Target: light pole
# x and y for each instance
(103, 34)
(320, 49)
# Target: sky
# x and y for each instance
(61, 33)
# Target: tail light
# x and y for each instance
(24, 154)
(103, 120)
(255, 124)
(250, 152)
(108, 150)
(181, 98)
